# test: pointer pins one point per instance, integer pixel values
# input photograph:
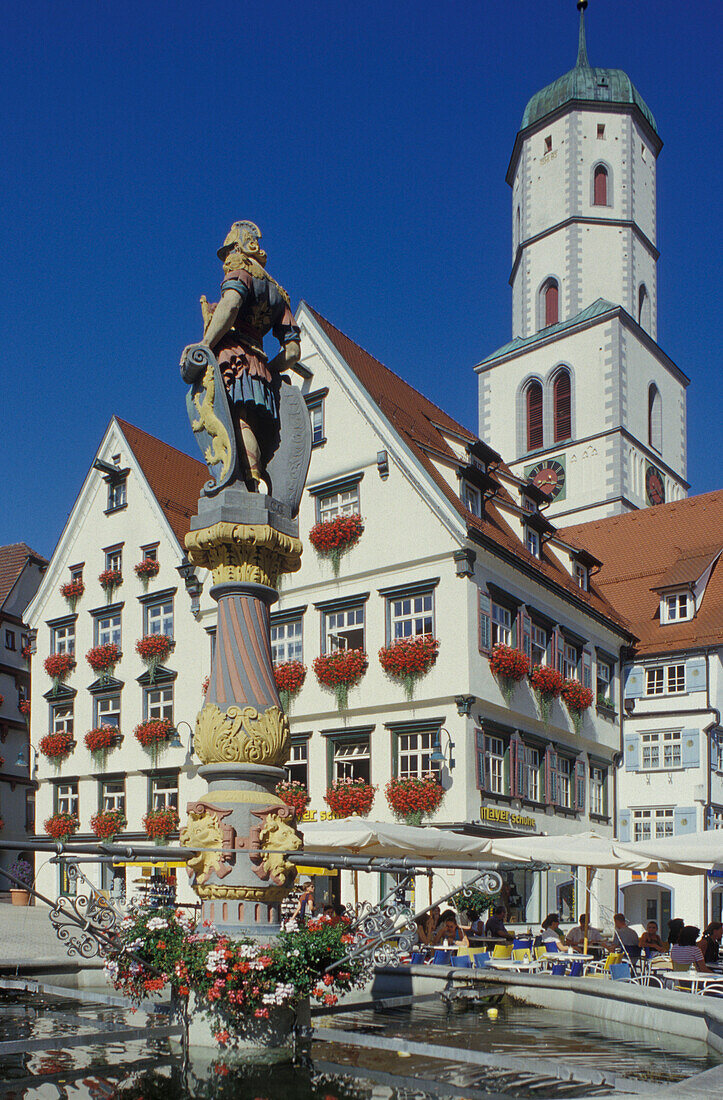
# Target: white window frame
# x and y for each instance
(715, 819)
(665, 680)
(604, 680)
(316, 419)
(287, 641)
(164, 792)
(570, 661)
(66, 798)
(598, 777)
(676, 607)
(531, 764)
(63, 639)
(62, 719)
(117, 494)
(159, 617)
(347, 620)
(114, 559)
(532, 541)
(298, 762)
(494, 750)
(113, 799)
(501, 624)
(565, 779)
(108, 710)
(108, 629)
(347, 756)
(661, 750)
(414, 754)
(411, 616)
(158, 702)
(343, 502)
(581, 576)
(538, 644)
(472, 499)
(653, 822)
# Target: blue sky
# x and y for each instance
(370, 143)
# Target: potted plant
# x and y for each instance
(413, 797)
(289, 678)
(59, 666)
(160, 824)
(350, 796)
(20, 895)
(103, 659)
(72, 591)
(154, 736)
(408, 659)
(334, 537)
(56, 746)
(24, 707)
(61, 825)
(110, 579)
(146, 569)
(577, 699)
(341, 670)
(153, 649)
(106, 824)
(509, 666)
(294, 794)
(100, 741)
(547, 685)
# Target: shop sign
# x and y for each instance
(320, 815)
(506, 817)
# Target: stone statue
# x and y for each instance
(242, 405)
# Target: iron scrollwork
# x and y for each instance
(85, 923)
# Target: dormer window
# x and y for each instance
(581, 575)
(532, 542)
(676, 607)
(472, 499)
(527, 505)
(116, 494)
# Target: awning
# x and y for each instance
(329, 871)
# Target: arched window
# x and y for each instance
(550, 303)
(533, 410)
(643, 307)
(562, 417)
(518, 228)
(600, 187)
(655, 418)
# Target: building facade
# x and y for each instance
(599, 409)
(21, 570)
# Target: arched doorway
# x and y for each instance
(644, 901)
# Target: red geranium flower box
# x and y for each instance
(340, 671)
(413, 798)
(290, 676)
(72, 591)
(108, 823)
(159, 824)
(59, 665)
(24, 706)
(101, 739)
(407, 659)
(110, 579)
(57, 745)
(154, 735)
(61, 825)
(546, 680)
(153, 649)
(509, 663)
(294, 794)
(147, 568)
(102, 658)
(576, 696)
(332, 538)
(350, 796)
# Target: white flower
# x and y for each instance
(156, 923)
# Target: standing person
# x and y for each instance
(686, 951)
(709, 942)
(305, 904)
(624, 936)
(675, 927)
(650, 941)
(449, 933)
(495, 927)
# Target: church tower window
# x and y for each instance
(533, 405)
(561, 393)
(655, 418)
(600, 191)
(550, 303)
(644, 307)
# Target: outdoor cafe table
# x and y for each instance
(513, 964)
(674, 978)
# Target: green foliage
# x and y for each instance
(474, 901)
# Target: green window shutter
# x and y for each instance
(485, 612)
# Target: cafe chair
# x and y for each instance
(502, 951)
(620, 972)
(461, 960)
(441, 958)
(481, 959)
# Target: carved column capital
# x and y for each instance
(244, 552)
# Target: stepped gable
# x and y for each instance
(646, 551)
(421, 424)
(175, 478)
(12, 560)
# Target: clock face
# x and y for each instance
(549, 476)
(654, 485)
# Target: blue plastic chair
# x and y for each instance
(417, 957)
(620, 972)
(576, 970)
(523, 942)
(551, 948)
(558, 969)
(461, 960)
(440, 958)
(481, 960)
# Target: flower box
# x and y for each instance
(103, 658)
(547, 683)
(58, 666)
(336, 536)
(413, 798)
(61, 826)
(408, 659)
(289, 678)
(341, 670)
(110, 579)
(56, 746)
(294, 794)
(577, 699)
(146, 569)
(160, 824)
(154, 735)
(509, 666)
(153, 649)
(350, 796)
(24, 706)
(101, 740)
(108, 823)
(72, 591)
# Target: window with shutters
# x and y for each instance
(661, 750)
(493, 770)
(604, 682)
(676, 607)
(718, 751)
(550, 303)
(665, 680)
(531, 773)
(653, 823)
(655, 418)
(538, 649)
(570, 662)
(533, 407)
(598, 782)
(562, 413)
(600, 186)
(297, 766)
(501, 625)
(564, 782)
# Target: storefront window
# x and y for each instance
(521, 896)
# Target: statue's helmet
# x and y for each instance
(246, 237)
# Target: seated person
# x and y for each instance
(495, 927)
(449, 933)
(686, 953)
(577, 935)
(675, 927)
(650, 941)
(427, 925)
(549, 931)
(624, 937)
(709, 942)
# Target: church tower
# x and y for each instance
(582, 400)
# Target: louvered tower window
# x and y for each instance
(655, 418)
(561, 401)
(534, 416)
(601, 186)
(552, 309)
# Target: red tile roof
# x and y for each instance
(12, 560)
(421, 424)
(175, 478)
(642, 550)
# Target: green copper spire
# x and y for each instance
(582, 61)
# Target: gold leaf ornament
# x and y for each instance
(203, 831)
(241, 735)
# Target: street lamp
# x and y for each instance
(176, 743)
(440, 755)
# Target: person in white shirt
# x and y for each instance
(576, 936)
(686, 953)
